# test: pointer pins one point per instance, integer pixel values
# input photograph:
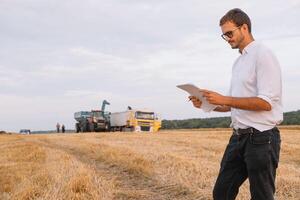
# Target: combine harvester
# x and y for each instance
(92, 121)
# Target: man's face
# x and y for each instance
(232, 34)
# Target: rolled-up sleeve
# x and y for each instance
(269, 86)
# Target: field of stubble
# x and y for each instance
(174, 165)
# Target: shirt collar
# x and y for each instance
(249, 47)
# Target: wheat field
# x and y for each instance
(173, 165)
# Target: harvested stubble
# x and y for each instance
(167, 165)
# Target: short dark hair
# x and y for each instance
(237, 16)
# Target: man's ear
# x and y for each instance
(245, 28)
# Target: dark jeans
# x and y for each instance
(254, 156)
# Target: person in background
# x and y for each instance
(63, 128)
(57, 127)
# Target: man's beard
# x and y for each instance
(234, 47)
(237, 44)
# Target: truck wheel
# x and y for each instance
(107, 127)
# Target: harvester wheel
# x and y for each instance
(92, 127)
(77, 128)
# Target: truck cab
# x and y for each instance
(144, 121)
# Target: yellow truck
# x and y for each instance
(135, 121)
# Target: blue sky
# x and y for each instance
(59, 57)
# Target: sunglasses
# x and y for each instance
(229, 34)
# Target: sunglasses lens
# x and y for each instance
(229, 34)
(225, 37)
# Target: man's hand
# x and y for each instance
(243, 103)
(214, 97)
(196, 102)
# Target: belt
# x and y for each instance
(250, 130)
(245, 131)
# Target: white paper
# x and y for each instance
(195, 91)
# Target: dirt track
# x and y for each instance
(131, 184)
(170, 165)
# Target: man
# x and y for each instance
(256, 108)
(63, 128)
(57, 127)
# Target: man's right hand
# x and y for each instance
(196, 102)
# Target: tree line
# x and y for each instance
(289, 118)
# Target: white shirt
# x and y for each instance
(256, 73)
